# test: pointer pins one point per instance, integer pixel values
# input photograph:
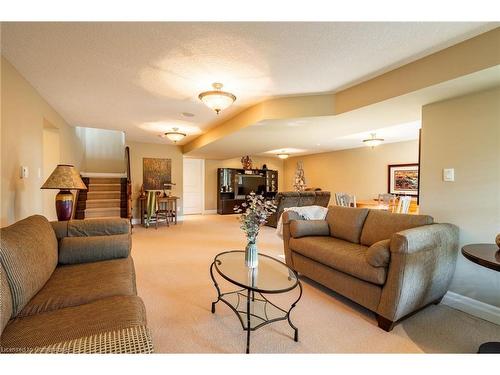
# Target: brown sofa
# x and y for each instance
(297, 199)
(69, 287)
(392, 264)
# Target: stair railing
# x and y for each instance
(129, 185)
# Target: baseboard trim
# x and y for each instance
(209, 212)
(473, 307)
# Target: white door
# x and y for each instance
(193, 186)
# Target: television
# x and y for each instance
(250, 182)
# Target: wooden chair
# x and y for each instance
(403, 206)
(345, 200)
(388, 200)
(162, 212)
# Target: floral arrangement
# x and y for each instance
(254, 214)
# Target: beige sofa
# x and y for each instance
(392, 264)
(69, 287)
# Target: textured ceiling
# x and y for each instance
(396, 120)
(140, 77)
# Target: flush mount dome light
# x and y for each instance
(217, 99)
(373, 141)
(283, 155)
(174, 135)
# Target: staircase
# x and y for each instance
(106, 197)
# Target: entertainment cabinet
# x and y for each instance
(233, 185)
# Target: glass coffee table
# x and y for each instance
(248, 302)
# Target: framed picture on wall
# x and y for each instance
(156, 173)
(403, 179)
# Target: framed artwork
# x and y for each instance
(403, 179)
(156, 173)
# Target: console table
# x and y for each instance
(486, 255)
(170, 204)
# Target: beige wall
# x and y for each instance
(104, 150)
(464, 134)
(24, 113)
(211, 174)
(359, 171)
(138, 151)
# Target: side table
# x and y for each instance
(486, 255)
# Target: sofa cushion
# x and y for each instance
(5, 300)
(302, 228)
(98, 227)
(346, 223)
(341, 255)
(130, 340)
(379, 254)
(60, 229)
(83, 283)
(70, 323)
(381, 225)
(28, 253)
(94, 248)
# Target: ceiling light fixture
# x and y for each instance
(373, 141)
(283, 155)
(217, 99)
(175, 136)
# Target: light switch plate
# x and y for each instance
(24, 172)
(449, 174)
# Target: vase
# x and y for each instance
(251, 255)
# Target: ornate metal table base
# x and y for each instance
(253, 309)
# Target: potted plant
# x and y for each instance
(254, 214)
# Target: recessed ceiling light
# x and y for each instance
(187, 114)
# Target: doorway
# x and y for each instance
(193, 186)
(50, 161)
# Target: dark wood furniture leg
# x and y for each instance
(388, 325)
(384, 323)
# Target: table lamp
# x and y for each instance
(65, 178)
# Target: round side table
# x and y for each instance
(486, 255)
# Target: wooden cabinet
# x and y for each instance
(234, 184)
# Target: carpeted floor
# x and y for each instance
(172, 266)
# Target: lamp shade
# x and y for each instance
(64, 177)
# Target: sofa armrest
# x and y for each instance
(286, 218)
(83, 241)
(421, 266)
(304, 228)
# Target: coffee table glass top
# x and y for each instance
(271, 275)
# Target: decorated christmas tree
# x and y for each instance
(299, 182)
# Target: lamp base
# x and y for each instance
(64, 205)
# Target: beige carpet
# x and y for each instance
(172, 266)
